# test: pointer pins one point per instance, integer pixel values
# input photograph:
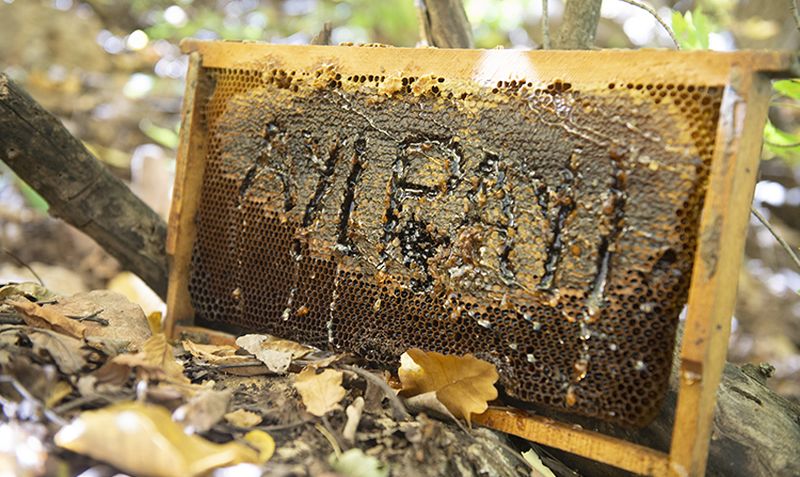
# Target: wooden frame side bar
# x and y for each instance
(181, 231)
(568, 437)
(723, 228)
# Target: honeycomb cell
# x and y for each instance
(546, 227)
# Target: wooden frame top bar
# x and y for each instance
(489, 66)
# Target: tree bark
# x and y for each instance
(78, 188)
(579, 25)
(444, 23)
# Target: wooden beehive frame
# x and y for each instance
(722, 227)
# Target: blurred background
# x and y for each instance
(112, 71)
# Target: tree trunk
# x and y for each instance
(579, 25)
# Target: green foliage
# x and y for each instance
(692, 29)
(789, 88)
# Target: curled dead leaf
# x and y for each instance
(214, 354)
(47, 318)
(464, 384)
(321, 392)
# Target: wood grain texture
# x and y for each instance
(574, 439)
(723, 227)
(78, 187)
(186, 196)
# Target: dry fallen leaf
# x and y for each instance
(66, 351)
(156, 360)
(203, 410)
(47, 318)
(464, 384)
(243, 419)
(274, 352)
(141, 439)
(214, 354)
(321, 392)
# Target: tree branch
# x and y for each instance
(78, 188)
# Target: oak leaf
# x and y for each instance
(321, 392)
(464, 384)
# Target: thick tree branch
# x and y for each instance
(579, 25)
(78, 188)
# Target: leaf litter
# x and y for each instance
(117, 391)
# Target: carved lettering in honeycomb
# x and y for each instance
(544, 227)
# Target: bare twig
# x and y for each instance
(652, 11)
(400, 412)
(23, 264)
(795, 12)
(784, 244)
(545, 25)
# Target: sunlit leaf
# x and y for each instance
(464, 384)
(789, 88)
(215, 354)
(321, 392)
(141, 439)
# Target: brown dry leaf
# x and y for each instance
(66, 351)
(215, 354)
(296, 349)
(321, 392)
(274, 352)
(141, 439)
(203, 410)
(156, 360)
(48, 318)
(464, 384)
(243, 419)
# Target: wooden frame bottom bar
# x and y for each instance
(574, 439)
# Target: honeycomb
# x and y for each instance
(545, 227)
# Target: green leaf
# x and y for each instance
(781, 143)
(355, 463)
(789, 88)
(702, 29)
